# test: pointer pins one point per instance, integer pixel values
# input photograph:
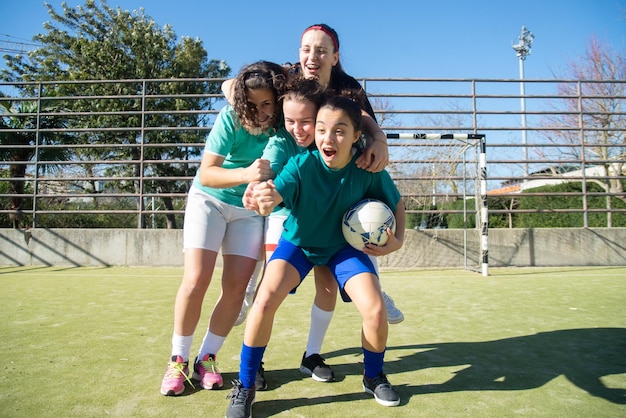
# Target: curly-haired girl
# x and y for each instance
(215, 218)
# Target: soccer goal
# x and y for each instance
(443, 179)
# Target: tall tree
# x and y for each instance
(26, 129)
(596, 104)
(128, 50)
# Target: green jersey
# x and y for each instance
(319, 196)
(239, 148)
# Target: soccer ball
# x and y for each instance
(367, 222)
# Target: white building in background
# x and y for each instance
(558, 175)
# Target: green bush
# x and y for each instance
(86, 220)
(549, 218)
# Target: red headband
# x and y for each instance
(326, 31)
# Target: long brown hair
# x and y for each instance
(259, 75)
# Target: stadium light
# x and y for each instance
(522, 49)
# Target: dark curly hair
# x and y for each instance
(259, 75)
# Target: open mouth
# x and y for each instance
(312, 68)
(329, 153)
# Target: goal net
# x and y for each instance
(443, 179)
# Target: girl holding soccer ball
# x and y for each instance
(318, 187)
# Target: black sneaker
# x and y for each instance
(241, 401)
(382, 390)
(259, 382)
(315, 367)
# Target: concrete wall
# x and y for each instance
(429, 248)
(512, 247)
(91, 247)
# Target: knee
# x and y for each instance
(192, 289)
(265, 303)
(375, 317)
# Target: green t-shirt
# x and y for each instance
(239, 148)
(318, 197)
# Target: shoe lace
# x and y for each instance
(175, 369)
(381, 379)
(209, 365)
(239, 394)
(317, 360)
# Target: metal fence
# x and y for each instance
(123, 152)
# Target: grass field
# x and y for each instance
(93, 342)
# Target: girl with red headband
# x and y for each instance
(319, 58)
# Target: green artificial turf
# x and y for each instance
(94, 342)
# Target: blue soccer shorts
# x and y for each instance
(344, 264)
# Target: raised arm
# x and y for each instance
(227, 89)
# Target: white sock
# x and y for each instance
(181, 345)
(320, 321)
(211, 344)
(255, 277)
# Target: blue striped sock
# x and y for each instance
(250, 361)
(373, 363)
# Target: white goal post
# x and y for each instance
(455, 154)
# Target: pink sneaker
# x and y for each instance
(206, 372)
(175, 375)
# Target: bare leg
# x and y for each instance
(198, 269)
(364, 290)
(237, 270)
(280, 277)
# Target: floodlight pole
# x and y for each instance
(522, 49)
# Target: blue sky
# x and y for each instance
(389, 38)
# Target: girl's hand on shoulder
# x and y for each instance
(259, 170)
(393, 244)
(374, 158)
